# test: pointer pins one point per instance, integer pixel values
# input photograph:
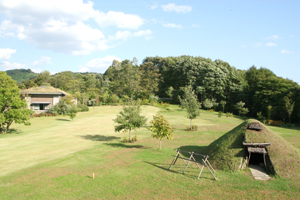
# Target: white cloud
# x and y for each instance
(179, 9)
(5, 54)
(36, 70)
(273, 37)
(61, 25)
(124, 35)
(196, 26)
(43, 61)
(99, 64)
(83, 69)
(169, 25)
(153, 6)
(8, 66)
(270, 44)
(118, 19)
(285, 51)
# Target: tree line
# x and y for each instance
(256, 92)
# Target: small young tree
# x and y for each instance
(230, 115)
(190, 103)
(289, 107)
(269, 108)
(207, 104)
(223, 103)
(129, 119)
(169, 92)
(72, 111)
(220, 115)
(160, 128)
(214, 103)
(260, 116)
(240, 107)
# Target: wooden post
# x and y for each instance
(187, 163)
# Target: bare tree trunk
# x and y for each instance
(129, 135)
(8, 125)
(191, 124)
(160, 144)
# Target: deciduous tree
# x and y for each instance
(12, 107)
(190, 102)
(160, 128)
(129, 119)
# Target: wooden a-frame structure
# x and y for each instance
(204, 161)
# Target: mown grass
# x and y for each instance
(123, 171)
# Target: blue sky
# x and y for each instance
(76, 35)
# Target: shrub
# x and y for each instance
(134, 139)
(211, 110)
(170, 109)
(125, 140)
(194, 128)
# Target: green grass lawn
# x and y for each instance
(55, 158)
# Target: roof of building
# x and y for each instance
(43, 90)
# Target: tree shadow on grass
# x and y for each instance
(116, 145)
(63, 119)
(181, 168)
(98, 137)
(13, 131)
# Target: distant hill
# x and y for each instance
(20, 75)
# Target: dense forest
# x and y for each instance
(259, 90)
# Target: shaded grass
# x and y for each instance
(139, 170)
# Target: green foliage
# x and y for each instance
(269, 108)
(220, 114)
(260, 116)
(223, 103)
(289, 106)
(12, 107)
(169, 92)
(129, 119)
(207, 103)
(240, 107)
(160, 128)
(66, 107)
(189, 101)
(21, 75)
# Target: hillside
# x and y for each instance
(21, 75)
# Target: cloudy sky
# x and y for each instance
(80, 36)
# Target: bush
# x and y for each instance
(134, 139)
(211, 110)
(125, 140)
(83, 108)
(170, 109)
(194, 128)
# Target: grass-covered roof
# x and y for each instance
(43, 90)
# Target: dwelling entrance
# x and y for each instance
(257, 156)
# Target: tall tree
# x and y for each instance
(189, 101)
(12, 107)
(149, 79)
(289, 107)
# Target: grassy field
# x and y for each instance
(55, 158)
